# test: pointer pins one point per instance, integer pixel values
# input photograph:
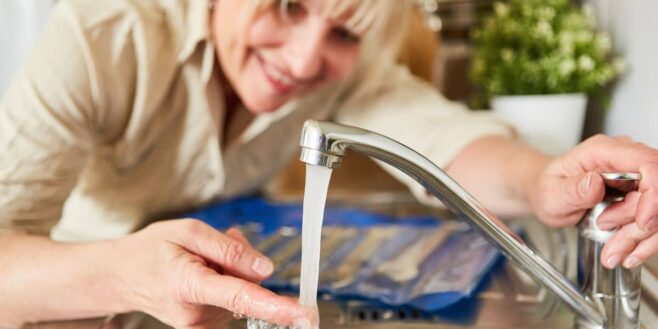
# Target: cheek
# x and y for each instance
(265, 31)
(258, 35)
(229, 44)
(342, 65)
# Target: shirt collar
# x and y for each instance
(195, 27)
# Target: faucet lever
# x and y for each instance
(617, 290)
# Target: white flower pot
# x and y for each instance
(551, 123)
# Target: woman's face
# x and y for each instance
(283, 53)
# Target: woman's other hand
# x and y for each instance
(187, 274)
(571, 184)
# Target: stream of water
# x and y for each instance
(315, 196)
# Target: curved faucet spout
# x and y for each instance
(325, 143)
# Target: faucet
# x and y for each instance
(608, 299)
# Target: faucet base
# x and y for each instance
(623, 313)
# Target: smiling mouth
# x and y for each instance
(280, 80)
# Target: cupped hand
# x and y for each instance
(187, 275)
(572, 184)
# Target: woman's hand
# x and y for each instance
(571, 184)
(186, 274)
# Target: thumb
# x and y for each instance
(567, 198)
(230, 254)
(235, 233)
(585, 191)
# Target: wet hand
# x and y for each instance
(571, 184)
(187, 275)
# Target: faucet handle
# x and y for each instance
(617, 184)
(616, 290)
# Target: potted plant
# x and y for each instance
(537, 61)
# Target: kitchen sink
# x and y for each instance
(508, 298)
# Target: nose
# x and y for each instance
(305, 50)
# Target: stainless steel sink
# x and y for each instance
(510, 299)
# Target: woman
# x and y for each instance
(130, 110)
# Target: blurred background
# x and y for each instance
(21, 22)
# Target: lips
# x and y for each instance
(280, 81)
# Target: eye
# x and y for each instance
(291, 9)
(344, 35)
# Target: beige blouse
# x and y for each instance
(114, 121)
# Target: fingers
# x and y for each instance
(620, 213)
(647, 209)
(231, 254)
(607, 153)
(624, 138)
(642, 252)
(567, 198)
(249, 299)
(585, 191)
(563, 201)
(235, 233)
(626, 243)
(618, 154)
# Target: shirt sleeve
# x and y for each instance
(45, 128)
(413, 113)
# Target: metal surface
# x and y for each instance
(510, 299)
(617, 290)
(325, 143)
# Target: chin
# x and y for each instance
(262, 107)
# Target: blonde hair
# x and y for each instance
(380, 23)
(381, 45)
(370, 16)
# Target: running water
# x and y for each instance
(315, 196)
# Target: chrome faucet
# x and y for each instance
(617, 290)
(610, 298)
